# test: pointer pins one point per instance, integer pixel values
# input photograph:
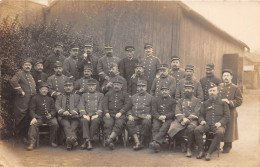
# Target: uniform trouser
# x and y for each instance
(219, 133)
(22, 128)
(160, 129)
(89, 128)
(113, 124)
(146, 124)
(70, 126)
(189, 132)
(34, 129)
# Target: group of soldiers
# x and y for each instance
(144, 97)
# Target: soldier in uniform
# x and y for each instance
(210, 77)
(114, 75)
(38, 74)
(57, 80)
(176, 72)
(68, 114)
(104, 63)
(186, 113)
(81, 84)
(49, 63)
(163, 111)
(214, 116)
(139, 114)
(231, 94)
(88, 59)
(197, 91)
(90, 108)
(151, 64)
(115, 112)
(70, 64)
(42, 110)
(127, 64)
(24, 85)
(163, 80)
(138, 75)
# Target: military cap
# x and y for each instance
(88, 67)
(142, 82)
(108, 47)
(57, 64)
(189, 67)
(148, 45)
(188, 84)
(227, 70)
(139, 65)
(118, 80)
(27, 60)
(58, 44)
(68, 82)
(212, 85)
(88, 45)
(44, 84)
(164, 87)
(210, 66)
(74, 47)
(163, 66)
(175, 58)
(129, 48)
(91, 82)
(38, 61)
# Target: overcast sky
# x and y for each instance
(241, 18)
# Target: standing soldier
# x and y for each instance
(38, 74)
(186, 113)
(42, 110)
(138, 75)
(70, 64)
(140, 107)
(151, 64)
(210, 77)
(214, 116)
(163, 111)
(68, 114)
(127, 64)
(197, 89)
(163, 80)
(24, 85)
(231, 94)
(177, 72)
(104, 63)
(115, 114)
(88, 59)
(81, 84)
(49, 63)
(90, 108)
(56, 81)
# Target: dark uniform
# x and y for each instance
(38, 76)
(132, 85)
(70, 68)
(177, 73)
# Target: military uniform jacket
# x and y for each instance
(70, 67)
(39, 77)
(127, 68)
(213, 111)
(115, 102)
(132, 86)
(56, 83)
(205, 81)
(234, 95)
(62, 104)
(177, 74)
(104, 64)
(197, 89)
(114, 78)
(91, 61)
(140, 105)
(82, 83)
(167, 81)
(22, 81)
(90, 103)
(41, 105)
(163, 106)
(49, 63)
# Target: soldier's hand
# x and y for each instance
(182, 123)
(85, 55)
(218, 124)
(48, 116)
(99, 112)
(118, 115)
(133, 76)
(107, 78)
(94, 117)
(60, 111)
(58, 93)
(203, 122)
(23, 93)
(66, 113)
(148, 117)
(186, 120)
(81, 90)
(86, 117)
(109, 84)
(161, 117)
(130, 118)
(107, 115)
(73, 112)
(226, 100)
(33, 121)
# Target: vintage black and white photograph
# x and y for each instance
(115, 83)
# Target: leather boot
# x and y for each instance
(68, 143)
(208, 157)
(227, 147)
(137, 142)
(189, 153)
(155, 146)
(201, 155)
(89, 145)
(30, 147)
(74, 142)
(84, 144)
(183, 147)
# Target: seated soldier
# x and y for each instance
(186, 113)
(66, 104)
(163, 111)
(114, 109)
(42, 110)
(90, 108)
(213, 118)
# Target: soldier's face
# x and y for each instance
(92, 88)
(189, 73)
(109, 51)
(165, 92)
(39, 67)
(130, 54)
(139, 70)
(68, 88)
(88, 50)
(44, 91)
(227, 77)
(117, 86)
(74, 52)
(114, 69)
(213, 92)
(175, 64)
(27, 67)
(87, 73)
(141, 88)
(148, 51)
(188, 92)
(164, 72)
(209, 72)
(58, 70)
(58, 49)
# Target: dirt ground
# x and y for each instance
(245, 152)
